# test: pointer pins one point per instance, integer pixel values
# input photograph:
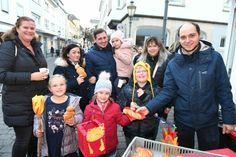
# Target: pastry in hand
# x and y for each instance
(70, 112)
(132, 114)
(80, 71)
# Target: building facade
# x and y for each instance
(53, 23)
(230, 49)
(148, 19)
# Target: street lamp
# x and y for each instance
(131, 11)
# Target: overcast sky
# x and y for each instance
(83, 9)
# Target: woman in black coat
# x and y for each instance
(65, 65)
(21, 58)
(155, 54)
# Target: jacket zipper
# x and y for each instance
(200, 80)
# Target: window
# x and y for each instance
(46, 24)
(222, 42)
(36, 19)
(19, 10)
(53, 27)
(46, 6)
(177, 2)
(226, 5)
(5, 5)
(203, 35)
(120, 4)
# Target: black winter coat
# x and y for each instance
(15, 74)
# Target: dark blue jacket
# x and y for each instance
(98, 60)
(18, 89)
(199, 83)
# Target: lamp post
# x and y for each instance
(131, 8)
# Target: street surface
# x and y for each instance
(7, 134)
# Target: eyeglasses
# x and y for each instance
(141, 71)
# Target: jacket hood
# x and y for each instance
(61, 62)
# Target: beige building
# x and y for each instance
(211, 15)
(53, 23)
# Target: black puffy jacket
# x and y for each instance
(15, 74)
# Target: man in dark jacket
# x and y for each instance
(100, 58)
(197, 78)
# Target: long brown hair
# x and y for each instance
(11, 33)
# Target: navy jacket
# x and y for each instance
(199, 83)
(18, 89)
(98, 60)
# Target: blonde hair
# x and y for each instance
(54, 77)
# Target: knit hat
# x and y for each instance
(118, 34)
(103, 82)
(146, 66)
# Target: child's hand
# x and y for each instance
(39, 133)
(133, 106)
(140, 92)
(70, 121)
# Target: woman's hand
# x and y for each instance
(39, 76)
(80, 79)
(39, 133)
(70, 121)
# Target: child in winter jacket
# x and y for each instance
(139, 92)
(106, 111)
(123, 55)
(58, 131)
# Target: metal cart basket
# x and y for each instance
(158, 149)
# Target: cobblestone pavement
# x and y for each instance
(7, 134)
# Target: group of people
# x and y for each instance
(193, 79)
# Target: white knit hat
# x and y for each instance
(103, 83)
(118, 34)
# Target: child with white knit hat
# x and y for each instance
(123, 55)
(106, 111)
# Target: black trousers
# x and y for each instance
(23, 136)
(208, 137)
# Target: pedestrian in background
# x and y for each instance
(59, 134)
(155, 54)
(20, 61)
(139, 92)
(197, 78)
(106, 111)
(100, 58)
(73, 55)
(123, 55)
(52, 51)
